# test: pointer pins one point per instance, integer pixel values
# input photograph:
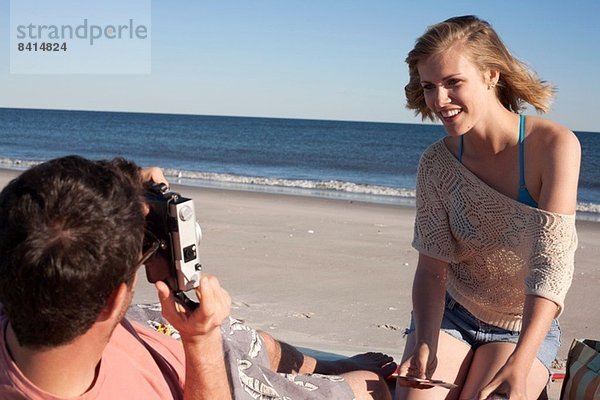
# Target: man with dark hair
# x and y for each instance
(71, 232)
(71, 241)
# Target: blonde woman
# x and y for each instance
(495, 223)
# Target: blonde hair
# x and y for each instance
(517, 83)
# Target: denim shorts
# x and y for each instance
(464, 326)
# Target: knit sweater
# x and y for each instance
(498, 249)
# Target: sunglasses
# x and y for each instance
(150, 246)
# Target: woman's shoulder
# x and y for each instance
(548, 135)
(552, 143)
(555, 153)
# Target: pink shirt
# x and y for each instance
(127, 369)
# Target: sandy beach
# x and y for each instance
(336, 275)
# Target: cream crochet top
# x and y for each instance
(498, 249)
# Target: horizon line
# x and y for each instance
(242, 116)
(216, 115)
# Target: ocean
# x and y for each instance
(362, 161)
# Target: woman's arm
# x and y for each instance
(559, 157)
(428, 293)
(538, 313)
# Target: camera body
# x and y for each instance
(172, 220)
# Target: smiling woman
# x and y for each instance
(496, 239)
(514, 85)
(451, 84)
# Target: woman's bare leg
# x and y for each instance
(488, 360)
(453, 360)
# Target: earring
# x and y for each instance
(491, 86)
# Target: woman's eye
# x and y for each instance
(427, 86)
(452, 82)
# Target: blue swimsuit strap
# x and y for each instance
(524, 195)
(522, 152)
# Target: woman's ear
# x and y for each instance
(492, 77)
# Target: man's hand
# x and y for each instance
(153, 174)
(215, 306)
(205, 372)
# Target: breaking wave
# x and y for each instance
(306, 187)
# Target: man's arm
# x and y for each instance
(205, 373)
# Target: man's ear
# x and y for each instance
(115, 303)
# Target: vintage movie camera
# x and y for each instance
(172, 228)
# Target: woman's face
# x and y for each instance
(455, 89)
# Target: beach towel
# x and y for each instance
(582, 379)
(248, 364)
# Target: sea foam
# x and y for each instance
(305, 187)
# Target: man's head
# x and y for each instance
(71, 232)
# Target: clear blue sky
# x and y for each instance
(320, 59)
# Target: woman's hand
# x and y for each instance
(421, 364)
(510, 381)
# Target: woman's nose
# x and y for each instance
(441, 97)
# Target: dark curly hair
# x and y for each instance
(71, 231)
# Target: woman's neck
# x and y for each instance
(494, 133)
